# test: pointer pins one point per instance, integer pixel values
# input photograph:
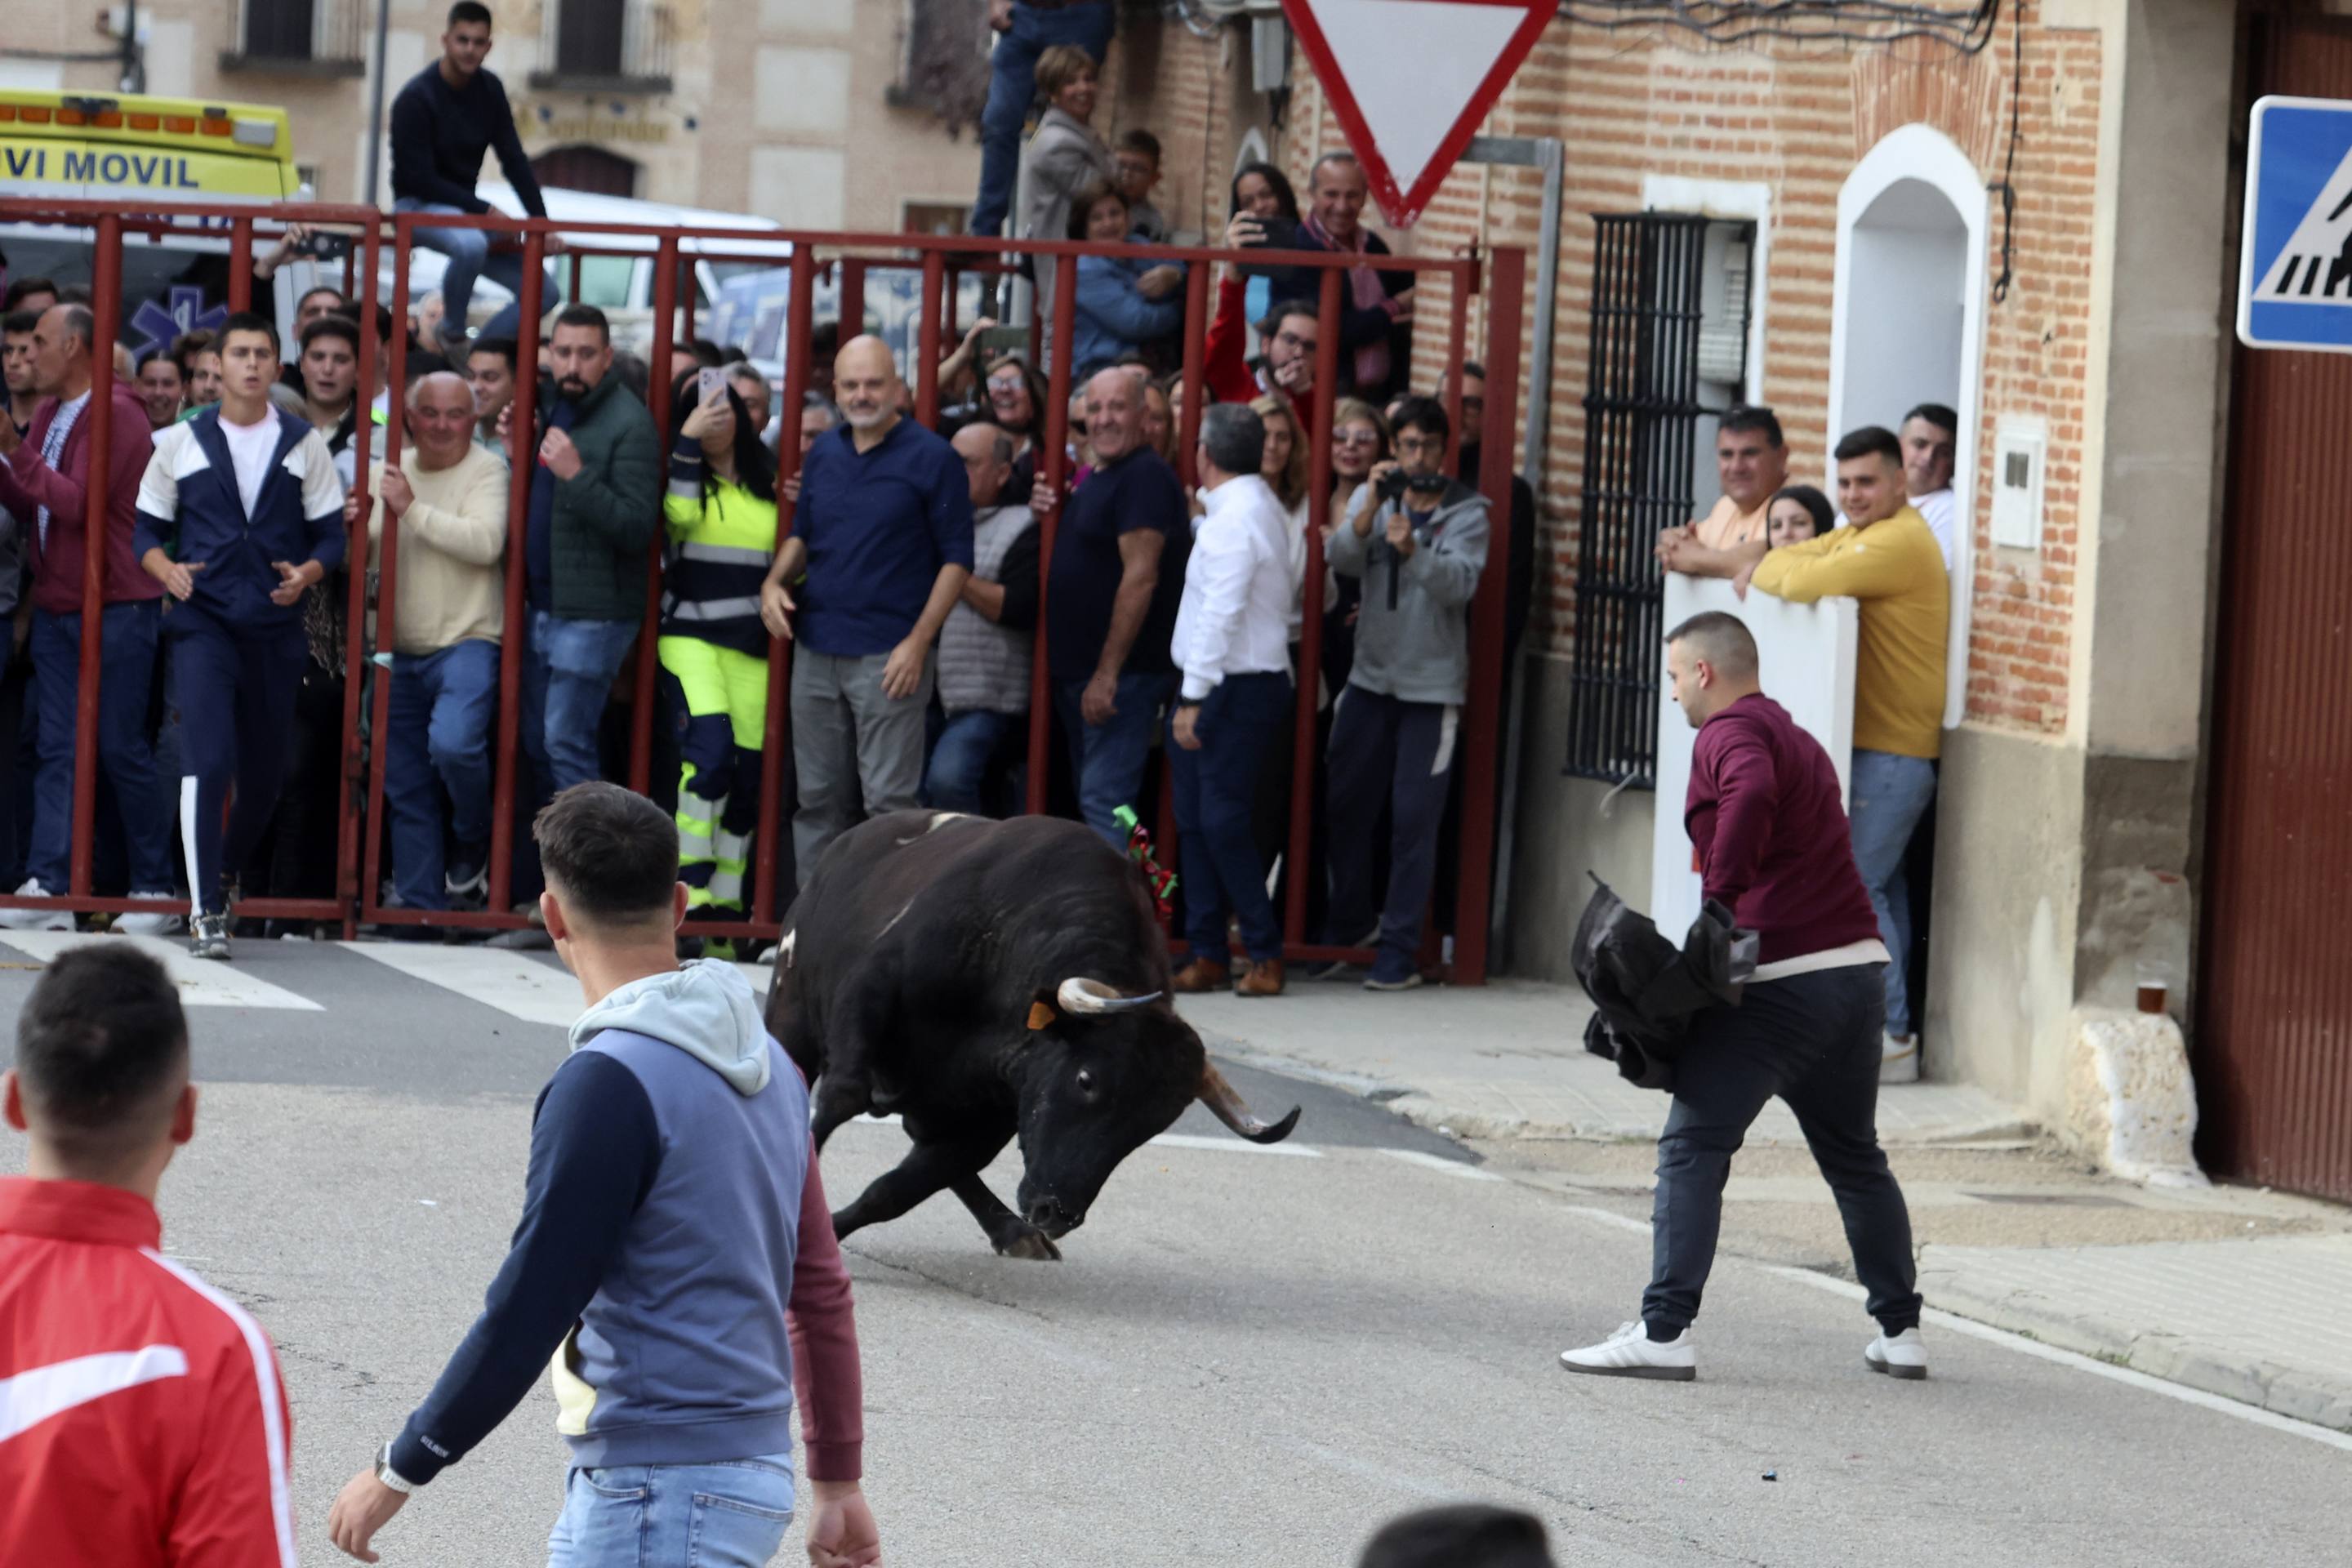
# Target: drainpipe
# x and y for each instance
(1548, 155)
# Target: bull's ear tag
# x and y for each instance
(1041, 1016)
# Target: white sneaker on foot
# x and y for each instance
(162, 922)
(1901, 1356)
(35, 919)
(1898, 1061)
(1631, 1353)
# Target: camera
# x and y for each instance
(1422, 485)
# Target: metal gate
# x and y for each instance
(2273, 1046)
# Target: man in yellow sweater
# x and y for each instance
(1887, 558)
(448, 612)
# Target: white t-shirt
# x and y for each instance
(1937, 507)
(251, 447)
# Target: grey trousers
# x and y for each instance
(859, 753)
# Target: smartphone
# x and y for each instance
(710, 386)
(1277, 232)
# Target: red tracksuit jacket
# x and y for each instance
(141, 1416)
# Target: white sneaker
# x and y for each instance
(1631, 1353)
(1903, 1356)
(1898, 1061)
(35, 919)
(162, 922)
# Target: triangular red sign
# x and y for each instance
(1411, 80)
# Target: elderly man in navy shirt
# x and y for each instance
(881, 545)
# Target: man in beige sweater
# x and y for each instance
(448, 596)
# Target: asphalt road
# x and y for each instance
(1248, 1357)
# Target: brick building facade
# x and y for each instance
(2090, 315)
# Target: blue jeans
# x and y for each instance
(1107, 760)
(973, 750)
(439, 738)
(126, 669)
(1891, 793)
(1013, 84)
(471, 256)
(565, 681)
(731, 1514)
(1216, 800)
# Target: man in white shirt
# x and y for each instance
(1232, 644)
(1930, 439)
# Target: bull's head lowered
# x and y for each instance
(1103, 1074)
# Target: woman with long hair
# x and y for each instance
(1016, 393)
(1260, 191)
(1360, 439)
(1796, 513)
(721, 516)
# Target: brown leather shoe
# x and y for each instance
(1200, 976)
(1264, 978)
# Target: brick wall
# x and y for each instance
(1799, 121)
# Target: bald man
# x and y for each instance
(449, 499)
(881, 545)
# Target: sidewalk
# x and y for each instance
(1507, 1060)
(2234, 1290)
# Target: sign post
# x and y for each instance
(1410, 81)
(2294, 271)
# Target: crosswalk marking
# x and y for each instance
(201, 981)
(1461, 1168)
(1235, 1145)
(516, 984)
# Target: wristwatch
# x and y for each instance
(388, 1477)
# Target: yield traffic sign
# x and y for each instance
(2295, 280)
(1411, 80)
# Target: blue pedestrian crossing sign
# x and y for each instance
(2294, 273)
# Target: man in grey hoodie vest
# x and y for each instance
(1418, 541)
(675, 1260)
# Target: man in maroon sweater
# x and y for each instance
(1773, 847)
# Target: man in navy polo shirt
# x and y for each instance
(239, 515)
(883, 533)
(1111, 599)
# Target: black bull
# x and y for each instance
(985, 980)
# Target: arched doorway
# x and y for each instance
(590, 169)
(1907, 322)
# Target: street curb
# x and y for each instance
(2295, 1392)
(1458, 1121)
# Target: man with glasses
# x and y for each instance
(1285, 365)
(1417, 541)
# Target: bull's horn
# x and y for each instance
(1082, 995)
(1230, 1108)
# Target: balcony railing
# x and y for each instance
(303, 37)
(604, 45)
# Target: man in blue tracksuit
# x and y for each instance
(240, 514)
(674, 1262)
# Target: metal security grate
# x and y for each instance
(1642, 410)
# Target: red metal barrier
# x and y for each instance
(940, 260)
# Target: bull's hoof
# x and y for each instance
(1031, 1245)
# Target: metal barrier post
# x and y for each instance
(1196, 328)
(240, 265)
(670, 267)
(775, 736)
(928, 342)
(571, 294)
(1054, 469)
(1457, 327)
(522, 463)
(1310, 627)
(1507, 300)
(850, 320)
(106, 305)
(387, 609)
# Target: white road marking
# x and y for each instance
(203, 983)
(1234, 1146)
(1461, 1168)
(514, 983)
(1935, 1318)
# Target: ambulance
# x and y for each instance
(147, 154)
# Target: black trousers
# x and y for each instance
(1814, 1040)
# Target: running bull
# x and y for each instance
(987, 980)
